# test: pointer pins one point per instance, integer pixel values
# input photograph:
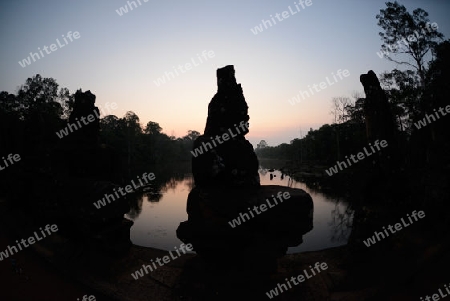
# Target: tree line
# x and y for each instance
(30, 119)
(417, 88)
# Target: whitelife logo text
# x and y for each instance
(52, 48)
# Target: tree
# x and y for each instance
(408, 34)
(152, 128)
(38, 90)
(66, 100)
(41, 109)
(404, 92)
(354, 110)
(8, 103)
(132, 122)
(133, 131)
(113, 132)
(192, 135)
(339, 107)
(338, 110)
(262, 144)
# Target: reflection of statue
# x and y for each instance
(227, 187)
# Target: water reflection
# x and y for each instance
(135, 207)
(158, 212)
(341, 223)
(332, 215)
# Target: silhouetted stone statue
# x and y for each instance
(228, 158)
(86, 117)
(380, 125)
(87, 157)
(228, 107)
(227, 187)
(87, 173)
(380, 122)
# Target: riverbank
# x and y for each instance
(369, 276)
(62, 270)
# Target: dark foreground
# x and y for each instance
(61, 269)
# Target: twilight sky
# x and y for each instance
(119, 57)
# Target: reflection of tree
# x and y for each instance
(165, 181)
(341, 222)
(153, 197)
(135, 206)
(189, 182)
(171, 184)
(155, 194)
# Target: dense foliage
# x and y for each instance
(30, 119)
